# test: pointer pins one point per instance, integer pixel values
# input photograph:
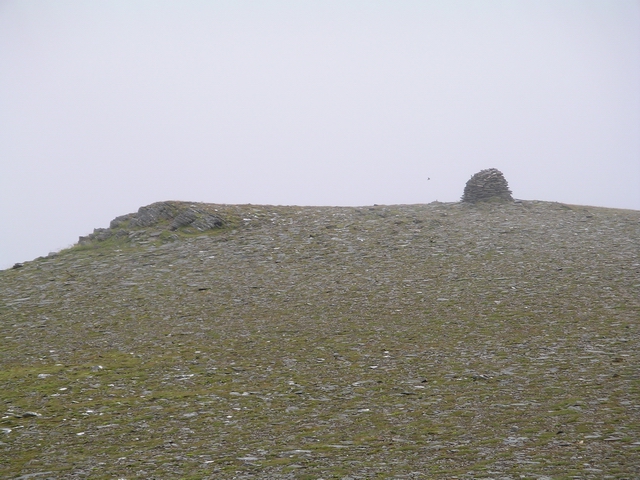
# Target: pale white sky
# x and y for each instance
(106, 106)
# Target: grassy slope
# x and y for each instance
(430, 341)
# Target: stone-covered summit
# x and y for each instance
(308, 342)
(487, 185)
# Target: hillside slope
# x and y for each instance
(408, 341)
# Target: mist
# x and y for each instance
(109, 106)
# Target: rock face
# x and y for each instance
(177, 214)
(487, 185)
(160, 216)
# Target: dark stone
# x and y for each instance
(153, 214)
(487, 186)
(121, 220)
(183, 219)
(207, 222)
(162, 215)
(191, 217)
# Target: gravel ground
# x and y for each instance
(408, 341)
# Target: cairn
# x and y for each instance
(487, 186)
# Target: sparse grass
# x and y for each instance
(440, 340)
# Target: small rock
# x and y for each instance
(515, 440)
(31, 414)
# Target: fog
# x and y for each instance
(106, 106)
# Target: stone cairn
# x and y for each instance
(487, 186)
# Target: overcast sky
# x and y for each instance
(106, 106)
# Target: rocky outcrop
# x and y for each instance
(160, 217)
(486, 186)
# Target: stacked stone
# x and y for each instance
(487, 185)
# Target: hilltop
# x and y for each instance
(190, 340)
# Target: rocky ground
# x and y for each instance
(410, 341)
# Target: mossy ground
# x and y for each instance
(423, 341)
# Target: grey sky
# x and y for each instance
(108, 106)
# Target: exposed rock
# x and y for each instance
(184, 218)
(162, 215)
(154, 214)
(487, 185)
(31, 414)
(201, 221)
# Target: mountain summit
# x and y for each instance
(444, 340)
